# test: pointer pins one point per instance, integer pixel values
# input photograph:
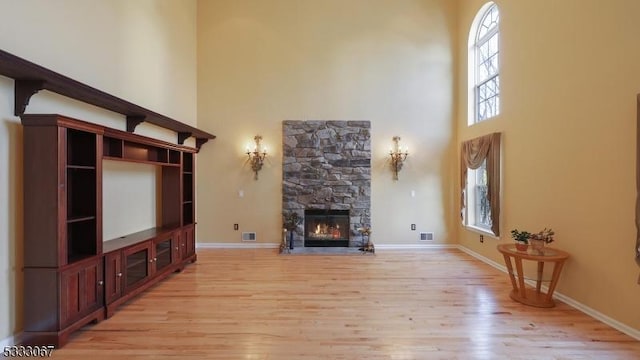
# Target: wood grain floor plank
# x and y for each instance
(427, 304)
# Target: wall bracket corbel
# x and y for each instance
(23, 91)
(182, 136)
(133, 121)
(200, 142)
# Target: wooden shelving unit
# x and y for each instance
(71, 276)
(63, 224)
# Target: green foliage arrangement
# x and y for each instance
(545, 235)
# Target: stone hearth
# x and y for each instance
(327, 165)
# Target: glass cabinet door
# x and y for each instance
(136, 265)
(163, 253)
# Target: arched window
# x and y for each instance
(484, 66)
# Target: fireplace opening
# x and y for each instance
(326, 228)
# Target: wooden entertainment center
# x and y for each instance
(72, 276)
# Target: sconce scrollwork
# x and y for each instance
(257, 156)
(398, 156)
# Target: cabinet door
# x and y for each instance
(82, 290)
(163, 252)
(113, 276)
(189, 241)
(176, 246)
(138, 265)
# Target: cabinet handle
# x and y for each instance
(155, 259)
(150, 260)
(100, 283)
(177, 248)
(119, 274)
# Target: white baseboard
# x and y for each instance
(413, 246)
(248, 245)
(10, 341)
(634, 333)
(244, 245)
(501, 267)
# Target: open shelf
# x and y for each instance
(78, 218)
(188, 216)
(136, 151)
(187, 162)
(81, 239)
(187, 190)
(81, 148)
(112, 147)
(81, 167)
(81, 192)
(187, 213)
(174, 157)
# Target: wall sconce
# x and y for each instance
(398, 156)
(257, 156)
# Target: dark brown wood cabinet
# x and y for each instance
(113, 274)
(63, 191)
(188, 241)
(82, 289)
(63, 232)
(72, 276)
(59, 301)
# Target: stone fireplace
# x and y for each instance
(327, 170)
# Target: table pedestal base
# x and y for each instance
(532, 298)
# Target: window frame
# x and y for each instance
(471, 201)
(481, 152)
(475, 42)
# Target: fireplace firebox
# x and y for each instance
(326, 228)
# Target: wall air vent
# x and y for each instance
(248, 236)
(426, 236)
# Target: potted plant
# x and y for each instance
(521, 238)
(542, 237)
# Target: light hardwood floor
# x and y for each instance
(426, 304)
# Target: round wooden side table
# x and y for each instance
(528, 296)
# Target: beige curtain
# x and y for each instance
(473, 153)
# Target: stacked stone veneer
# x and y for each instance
(327, 165)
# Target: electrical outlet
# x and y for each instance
(481, 239)
(413, 226)
(235, 227)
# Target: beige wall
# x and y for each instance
(262, 62)
(570, 74)
(143, 51)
